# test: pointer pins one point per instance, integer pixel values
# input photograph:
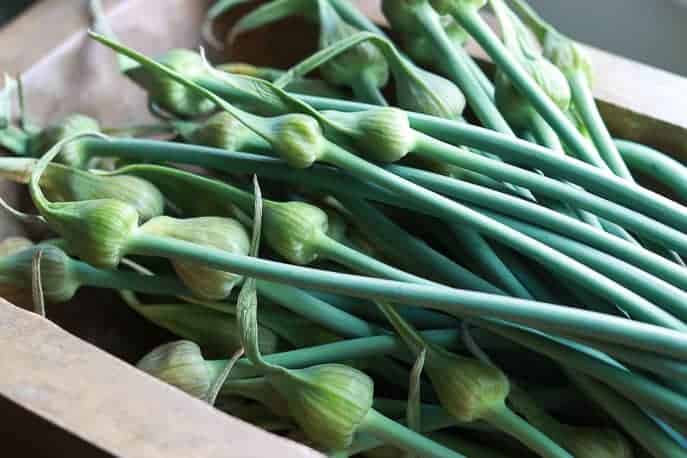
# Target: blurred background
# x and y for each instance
(650, 31)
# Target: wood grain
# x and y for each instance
(113, 406)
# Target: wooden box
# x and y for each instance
(65, 383)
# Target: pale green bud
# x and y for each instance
(401, 16)
(94, 230)
(223, 130)
(179, 364)
(292, 229)
(170, 95)
(59, 283)
(329, 402)
(381, 134)
(432, 95)
(67, 184)
(346, 68)
(551, 80)
(222, 233)
(72, 154)
(596, 443)
(466, 387)
(567, 55)
(296, 138)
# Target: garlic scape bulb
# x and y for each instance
(564, 52)
(58, 277)
(180, 364)
(223, 233)
(445, 7)
(222, 130)
(362, 68)
(61, 183)
(520, 43)
(73, 153)
(383, 133)
(168, 94)
(305, 86)
(329, 402)
(296, 138)
(61, 276)
(416, 89)
(471, 390)
(292, 229)
(418, 46)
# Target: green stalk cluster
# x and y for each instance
(444, 252)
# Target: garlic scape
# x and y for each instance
(332, 403)
(223, 131)
(62, 276)
(431, 202)
(576, 65)
(99, 231)
(416, 89)
(471, 390)
(305, 86)
(213, 330)
(438, 40)
(62, 183)
(582, 442)
(466, 12)
(420, 47)
(517, 39)
(179, 364)
(225, 234)
(72, 154)
(170, 95)
(362, 68)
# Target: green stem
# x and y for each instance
(636, 387)
(116, 279)
(586, 107)
(572, 321)
(421, 318)
(482, 78)
(546, 136)
(670, 369)
(399, 245)
(454, 61)
(645, 431)
(607, 209)
(525, 154)
(485, 258)
(359, 262)
(15, 140)
(656, 165)
(367, 91)
(525, 275)
(355, 17)
(450, 210)
(538, 215)
(470, 19)
(327, 178)
(353, 349)
(653, 288)
(316, 310)
(394, 433)
(504, 419)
